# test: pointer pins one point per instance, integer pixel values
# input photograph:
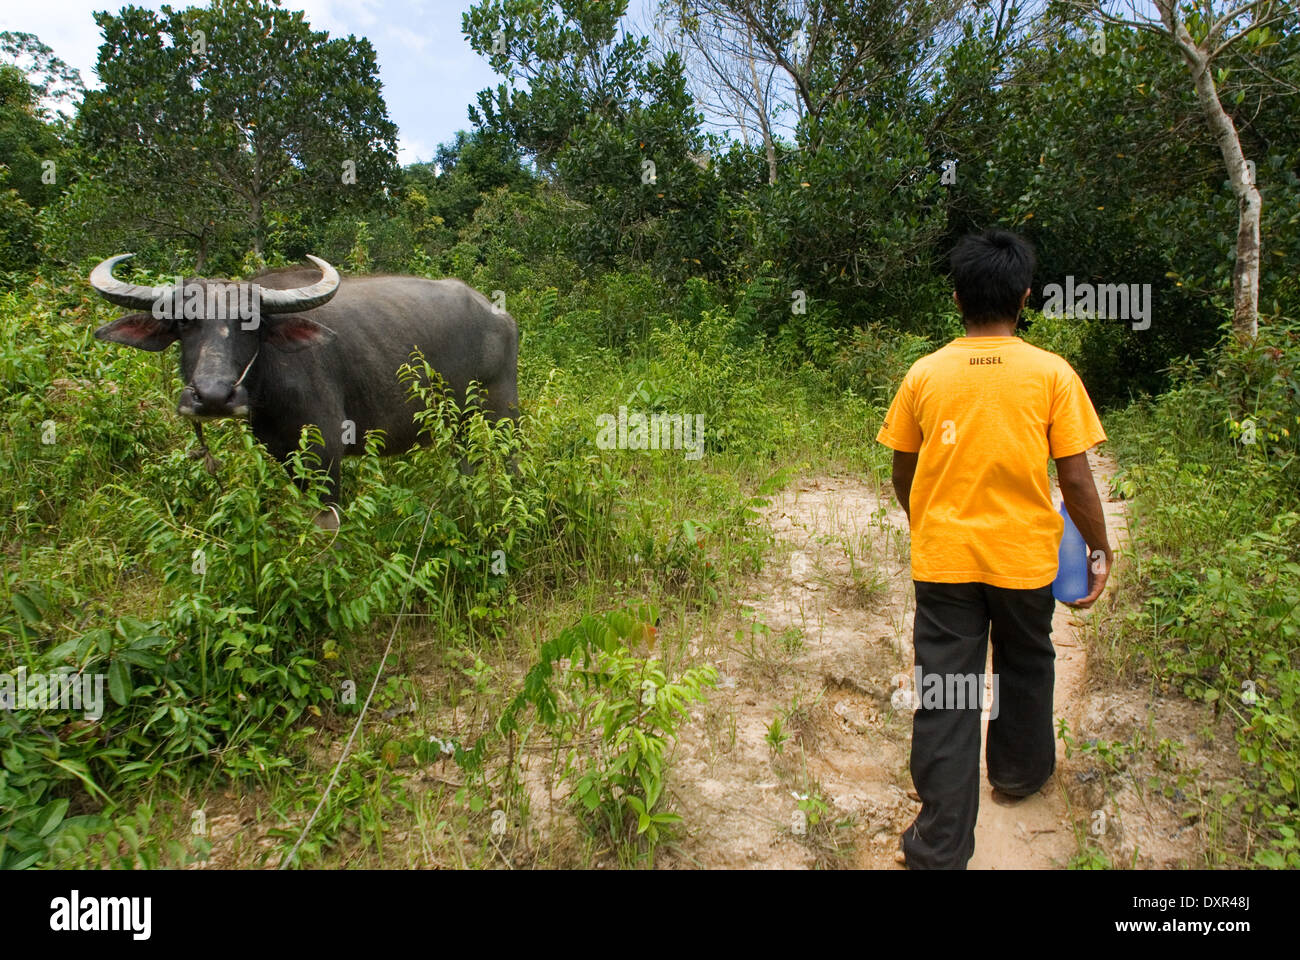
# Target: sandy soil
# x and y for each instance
(835, 604)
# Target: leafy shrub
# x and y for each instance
(873, 363)
(707, 368)
(1215, 610)
(251, 606)
(614, 715)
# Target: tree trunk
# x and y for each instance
(259, 225)
(760, 105)
(1245, 273)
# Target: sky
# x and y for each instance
(429, 73)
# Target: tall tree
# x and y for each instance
(1201, 33)
(35, 87)
(216, 123)
(616, 128)
(462, 171)
(574, 62)
(730, 76)
(767, 64)
(30, 147)
(828, 51)
(57, 86)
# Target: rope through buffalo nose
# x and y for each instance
(247, 367)
(202, 452)
(211, 463)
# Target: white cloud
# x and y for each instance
(412, 41)
(341, 17)
(413, 151)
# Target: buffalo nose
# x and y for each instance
(217, 398)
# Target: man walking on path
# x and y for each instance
(972, 427)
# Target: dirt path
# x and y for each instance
(819, 645)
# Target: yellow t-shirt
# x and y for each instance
(985, 413)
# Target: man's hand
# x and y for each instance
(1098, 572)
(1079, 492)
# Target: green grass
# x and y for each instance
(242, 641)
(1209, 603)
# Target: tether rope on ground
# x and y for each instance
(347, 747)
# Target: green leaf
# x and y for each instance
(23, 861)
(26, 609)
(148, 661)
(64, 649)
(13, 760)
(1270, 858)
(119, 682)
(50, 816)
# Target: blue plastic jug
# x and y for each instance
(1071, 581)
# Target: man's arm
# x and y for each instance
(1084, 505)
(904, 471)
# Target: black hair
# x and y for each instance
(991, 272)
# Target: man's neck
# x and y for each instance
(1005, 329)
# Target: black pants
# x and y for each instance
(951, 638)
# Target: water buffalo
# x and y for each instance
(249, 350)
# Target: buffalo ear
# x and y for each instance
(143, 331)
(292, 333)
